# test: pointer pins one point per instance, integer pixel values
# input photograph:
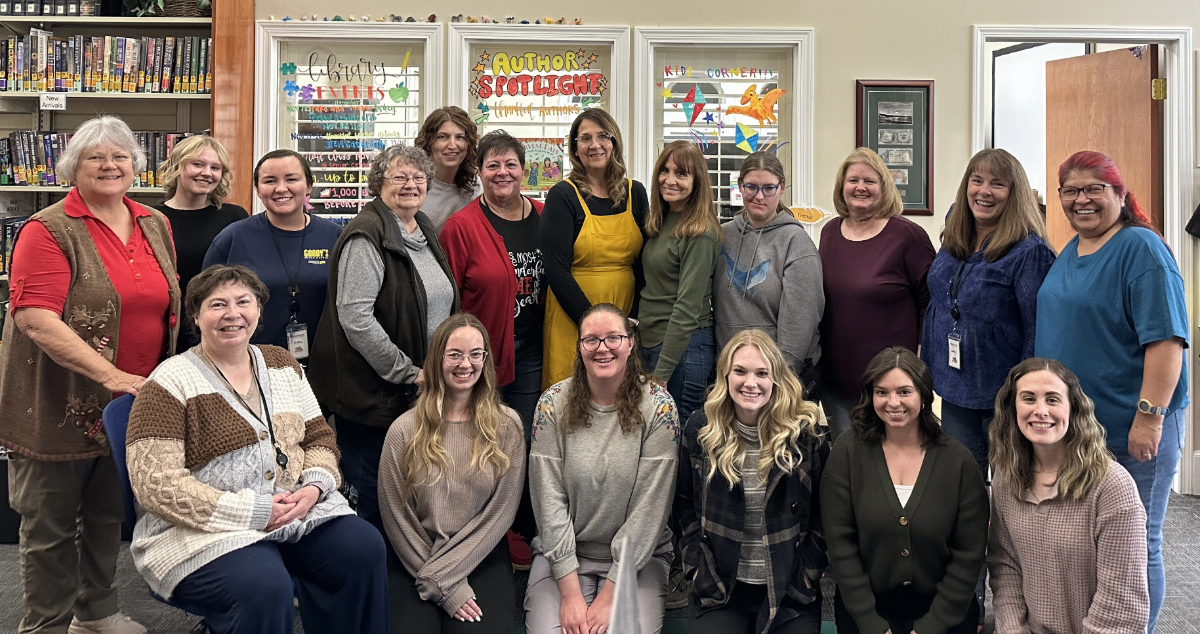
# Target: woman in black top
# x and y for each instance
(196, 178)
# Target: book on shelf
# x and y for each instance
(30, 157)
(11, 227)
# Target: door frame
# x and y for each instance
(1177, 162)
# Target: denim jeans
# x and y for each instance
(688, 384)
(837, 414)
(1153, 478)
(361, 447)
(969, 427)
(523, 393)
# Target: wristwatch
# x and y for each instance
(1145, 407)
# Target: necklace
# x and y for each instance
(281, 458)
(492, 208)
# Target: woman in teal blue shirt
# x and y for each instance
(1112, 310)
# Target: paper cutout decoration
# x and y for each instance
(290, 87)
(699, 139)
(485, 112)
(695, 99)
(746, 139)
(809, 215)
(761, 109)
(287, 68)
(399, 94)
(708, 117)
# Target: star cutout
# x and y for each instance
(708, 117)
(478, 68)
(603, 84)
(485, 57)
(586, 65)
(579, 53)
(592, 58)
(666, 93)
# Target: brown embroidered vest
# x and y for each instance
(51, 413)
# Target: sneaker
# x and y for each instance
(115, 624)
(679, 591)
(519, 551)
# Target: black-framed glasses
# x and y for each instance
(454, 358)
(750, 190)
(1095, 190)
(612, 342)
(603, 138)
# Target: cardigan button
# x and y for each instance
(270, 475)
(262, 435)
(904, 521)
(906, 583)
(903, 552)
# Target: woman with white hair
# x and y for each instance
(389, 288)
(95, 307)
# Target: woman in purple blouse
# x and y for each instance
(983, 288)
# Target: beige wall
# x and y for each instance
(868, 39)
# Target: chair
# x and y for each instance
(116, 420)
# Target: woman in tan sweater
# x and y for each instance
(1062, 508)
(450, 480)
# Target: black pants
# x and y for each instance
(495, 594)
(900, 607)
(738, 616)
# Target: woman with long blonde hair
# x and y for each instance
(601, 469)
(450, 480)
(590, 234)
(756, 560)
(675, 316)
(1052, 469)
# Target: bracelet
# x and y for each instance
(1152, 428)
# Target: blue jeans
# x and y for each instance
(969, 427)
(361, 447)
(688, 384)
(1153, 478)
(523, 393)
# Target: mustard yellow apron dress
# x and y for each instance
(603, 268)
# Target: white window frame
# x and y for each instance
(800, 41)
(269, 34)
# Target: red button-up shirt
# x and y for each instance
(41, 276)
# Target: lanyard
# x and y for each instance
(281, 458)
(956, 286)
(293, 279)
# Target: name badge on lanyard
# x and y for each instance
(954, 348)
(954, 340)
(297, 340)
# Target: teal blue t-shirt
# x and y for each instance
(1097, 313)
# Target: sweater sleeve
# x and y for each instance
(454, 245)
(696, 263)
(968, 547)
(1008, 597)
(812, 553)
(801, 305)
(360, 276)
(557, 231)
(161, 482)
(917, 259)
(1122, 599)
(1027, 280)
(443, 578)
(841, 539)
(410, 541)
(652, 489)
(548, 491)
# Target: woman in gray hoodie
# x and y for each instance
(765, 251)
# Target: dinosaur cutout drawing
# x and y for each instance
(762, 109)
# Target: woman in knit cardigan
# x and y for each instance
(449, 482)
(1062, 508)
(904, 509)
(237, 470)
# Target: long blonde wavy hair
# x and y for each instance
(188, 149)
(425, 453)
(781, 422)
(1085, 465)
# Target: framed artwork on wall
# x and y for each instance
(895, 119)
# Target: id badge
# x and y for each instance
(954, 347)
(297, 339)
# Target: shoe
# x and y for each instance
(679, 591)
(115, 624)
(519, 551)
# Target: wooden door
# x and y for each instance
(1103, 102)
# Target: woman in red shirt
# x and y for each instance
(94, 307)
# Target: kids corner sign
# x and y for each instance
(567, 73)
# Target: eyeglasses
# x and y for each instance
(603, 138)
(1095, 190)
(750, 190)
(612, 342)
(104, 158)
(401, 180)
(454, 358)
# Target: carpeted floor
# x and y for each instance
(1180, 615)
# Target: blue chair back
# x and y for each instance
(116, 419)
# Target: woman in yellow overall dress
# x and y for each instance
(591, 234)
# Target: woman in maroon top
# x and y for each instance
(873, 264)
(100, 332)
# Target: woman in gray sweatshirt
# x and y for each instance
(602, 476)
(764, 252)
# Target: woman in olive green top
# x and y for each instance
(905, 510)
(684, 238)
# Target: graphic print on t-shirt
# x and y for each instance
(529, 269)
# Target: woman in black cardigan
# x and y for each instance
(748, 499)
(905, 511)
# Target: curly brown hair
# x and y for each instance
(469, 168)
(629, 412)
